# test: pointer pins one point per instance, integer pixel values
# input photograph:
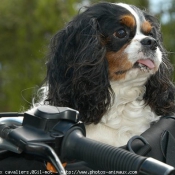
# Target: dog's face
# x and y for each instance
(132, 44)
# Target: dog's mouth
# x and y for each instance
(144, 64)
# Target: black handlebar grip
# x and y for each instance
(106, 157)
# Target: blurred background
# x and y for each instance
(26, 27)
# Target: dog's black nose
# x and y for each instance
(149, 42)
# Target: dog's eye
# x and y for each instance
(121, 33)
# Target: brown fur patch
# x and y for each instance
(128, 20)
(146, 27)
(118, 64)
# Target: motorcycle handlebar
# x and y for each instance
(70, 134)
(106, 157)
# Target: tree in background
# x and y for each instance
(167, 17)
(26, 27)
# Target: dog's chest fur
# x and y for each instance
(127, 117)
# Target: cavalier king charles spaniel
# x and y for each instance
(109, 64)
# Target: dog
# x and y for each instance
(109, 63)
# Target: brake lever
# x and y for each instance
(46, 151)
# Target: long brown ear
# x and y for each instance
(77, 73)
(160, 90)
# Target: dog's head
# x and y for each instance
(108, 42)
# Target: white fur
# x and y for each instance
(127, 117)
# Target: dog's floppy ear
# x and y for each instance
(160, 91)
(77, 73)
